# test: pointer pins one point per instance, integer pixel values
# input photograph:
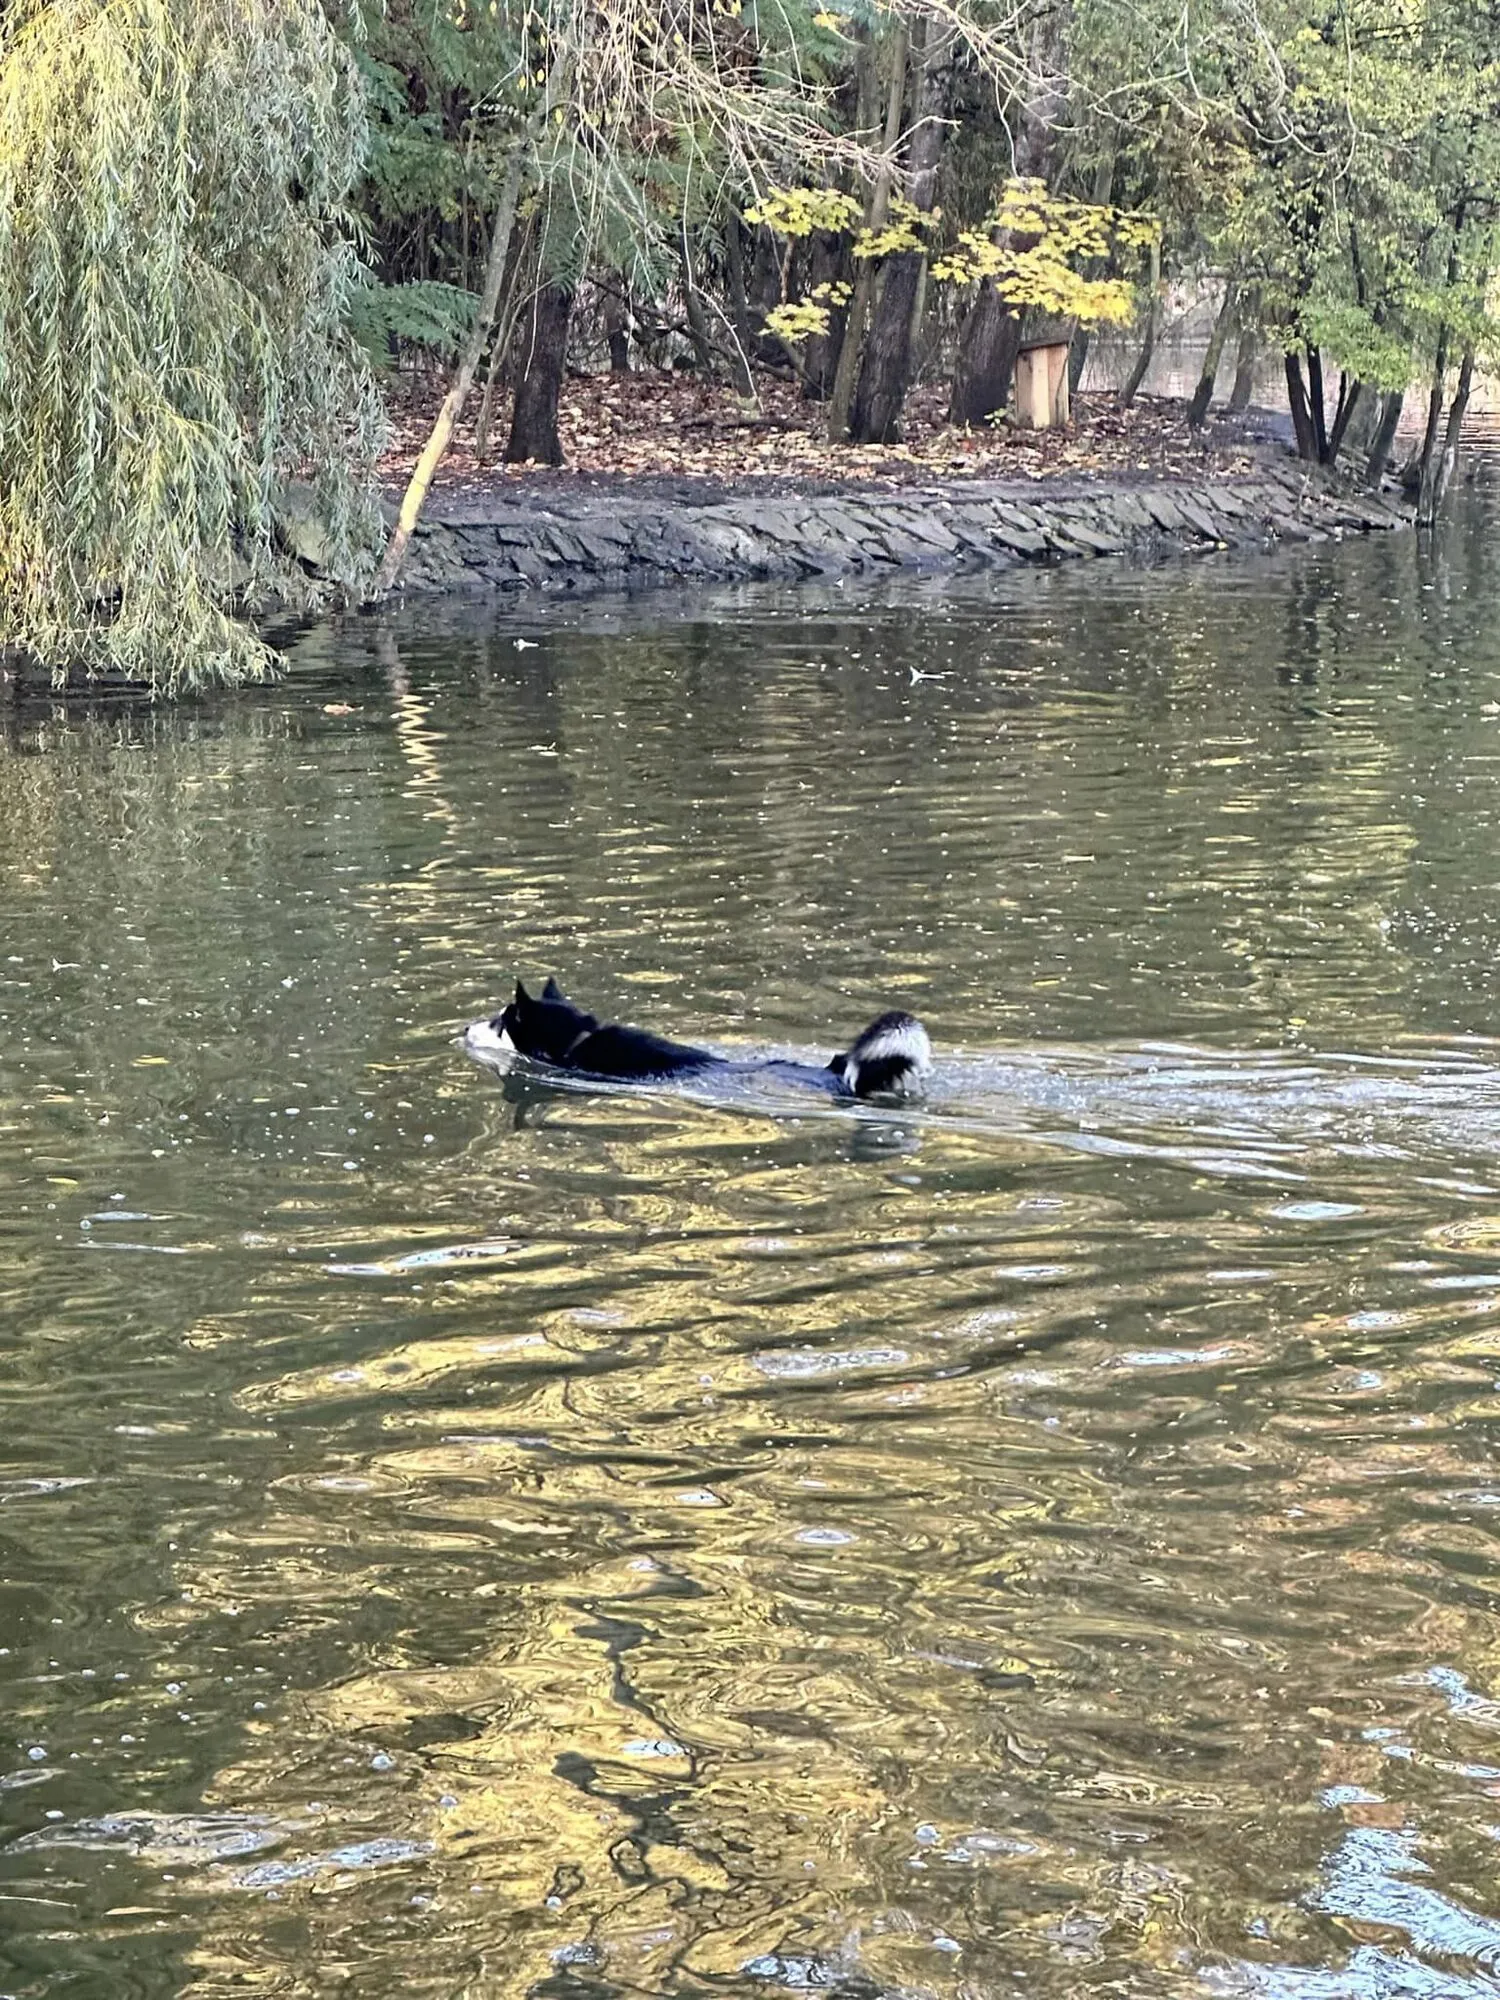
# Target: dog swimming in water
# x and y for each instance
(889, 1060)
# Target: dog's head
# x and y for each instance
(890, 1059)
(544, 1027)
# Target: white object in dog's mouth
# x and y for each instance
(483, 1038)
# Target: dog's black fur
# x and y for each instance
(889, 1059)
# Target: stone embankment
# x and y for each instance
(641, 534)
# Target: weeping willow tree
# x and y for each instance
(175, 273)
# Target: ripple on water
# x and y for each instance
(1041, 1540)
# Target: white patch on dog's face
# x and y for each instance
(906, 1040)
(909, 1041)
(483, 1038)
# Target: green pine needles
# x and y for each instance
(175, 276)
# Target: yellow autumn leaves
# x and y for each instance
(1065, 258)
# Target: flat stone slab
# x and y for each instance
(1197, 516)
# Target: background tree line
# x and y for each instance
(221, 222)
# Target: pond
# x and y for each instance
(460, 1537)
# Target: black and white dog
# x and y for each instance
(890, 1059)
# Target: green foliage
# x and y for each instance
(174, 284)
(185, 326)
(424, 311)
(439, 115)
(1340, 157)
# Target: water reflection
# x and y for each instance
(463, 1536)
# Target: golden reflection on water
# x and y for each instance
(458, 1537)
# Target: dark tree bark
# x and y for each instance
(1440, 462)
(1315, 441)
(987, 350)
(734, 277)
(1078, 357)
(1244, 369)
(734, 282)
(544, 338)
(1078, 353)
(990, 338)
(1203, 395)
(1391, 407)
(885, 374)
(877, 209)
(1416, 471)
(1458, 409)
(830, 360)
(885, 367)
(765, 278)
(1296, 395)
(617, 334)
(1137, 374)
(520, 278)
(1315, 404)
(827, 264)
(697, 319)
(1351, 396)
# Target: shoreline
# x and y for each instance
(540, 537)
(568, 535)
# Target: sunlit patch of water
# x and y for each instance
(486, 1536)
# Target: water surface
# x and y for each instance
(460, 1538)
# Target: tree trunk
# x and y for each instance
(533, 423)
(885, 365)
(1351, 396)
(703, 347)
(1203, 395)
(1148, 340)
(740, 378)
(990, 338)
(1391, 406)
(518, 279)
(487, 402)
(734, 277)
(987, 350)
(468, 365)
(877, 210)
(1457, 411)
(1244, 368)
(1078, 353)
(885, 373)
(1438, 465)
(827, 264)
(1296, 395)
(1419, 471)
(1315, 404)
(710, 350)
(824, 355)
(765, 274)
(739, 305)
(617, 334)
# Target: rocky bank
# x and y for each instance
(559, 537)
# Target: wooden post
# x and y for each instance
(1042, 385)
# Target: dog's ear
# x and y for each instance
(523, 998)
(552, 991)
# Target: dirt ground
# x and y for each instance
(677, 433)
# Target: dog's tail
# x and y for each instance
(889, 1059)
